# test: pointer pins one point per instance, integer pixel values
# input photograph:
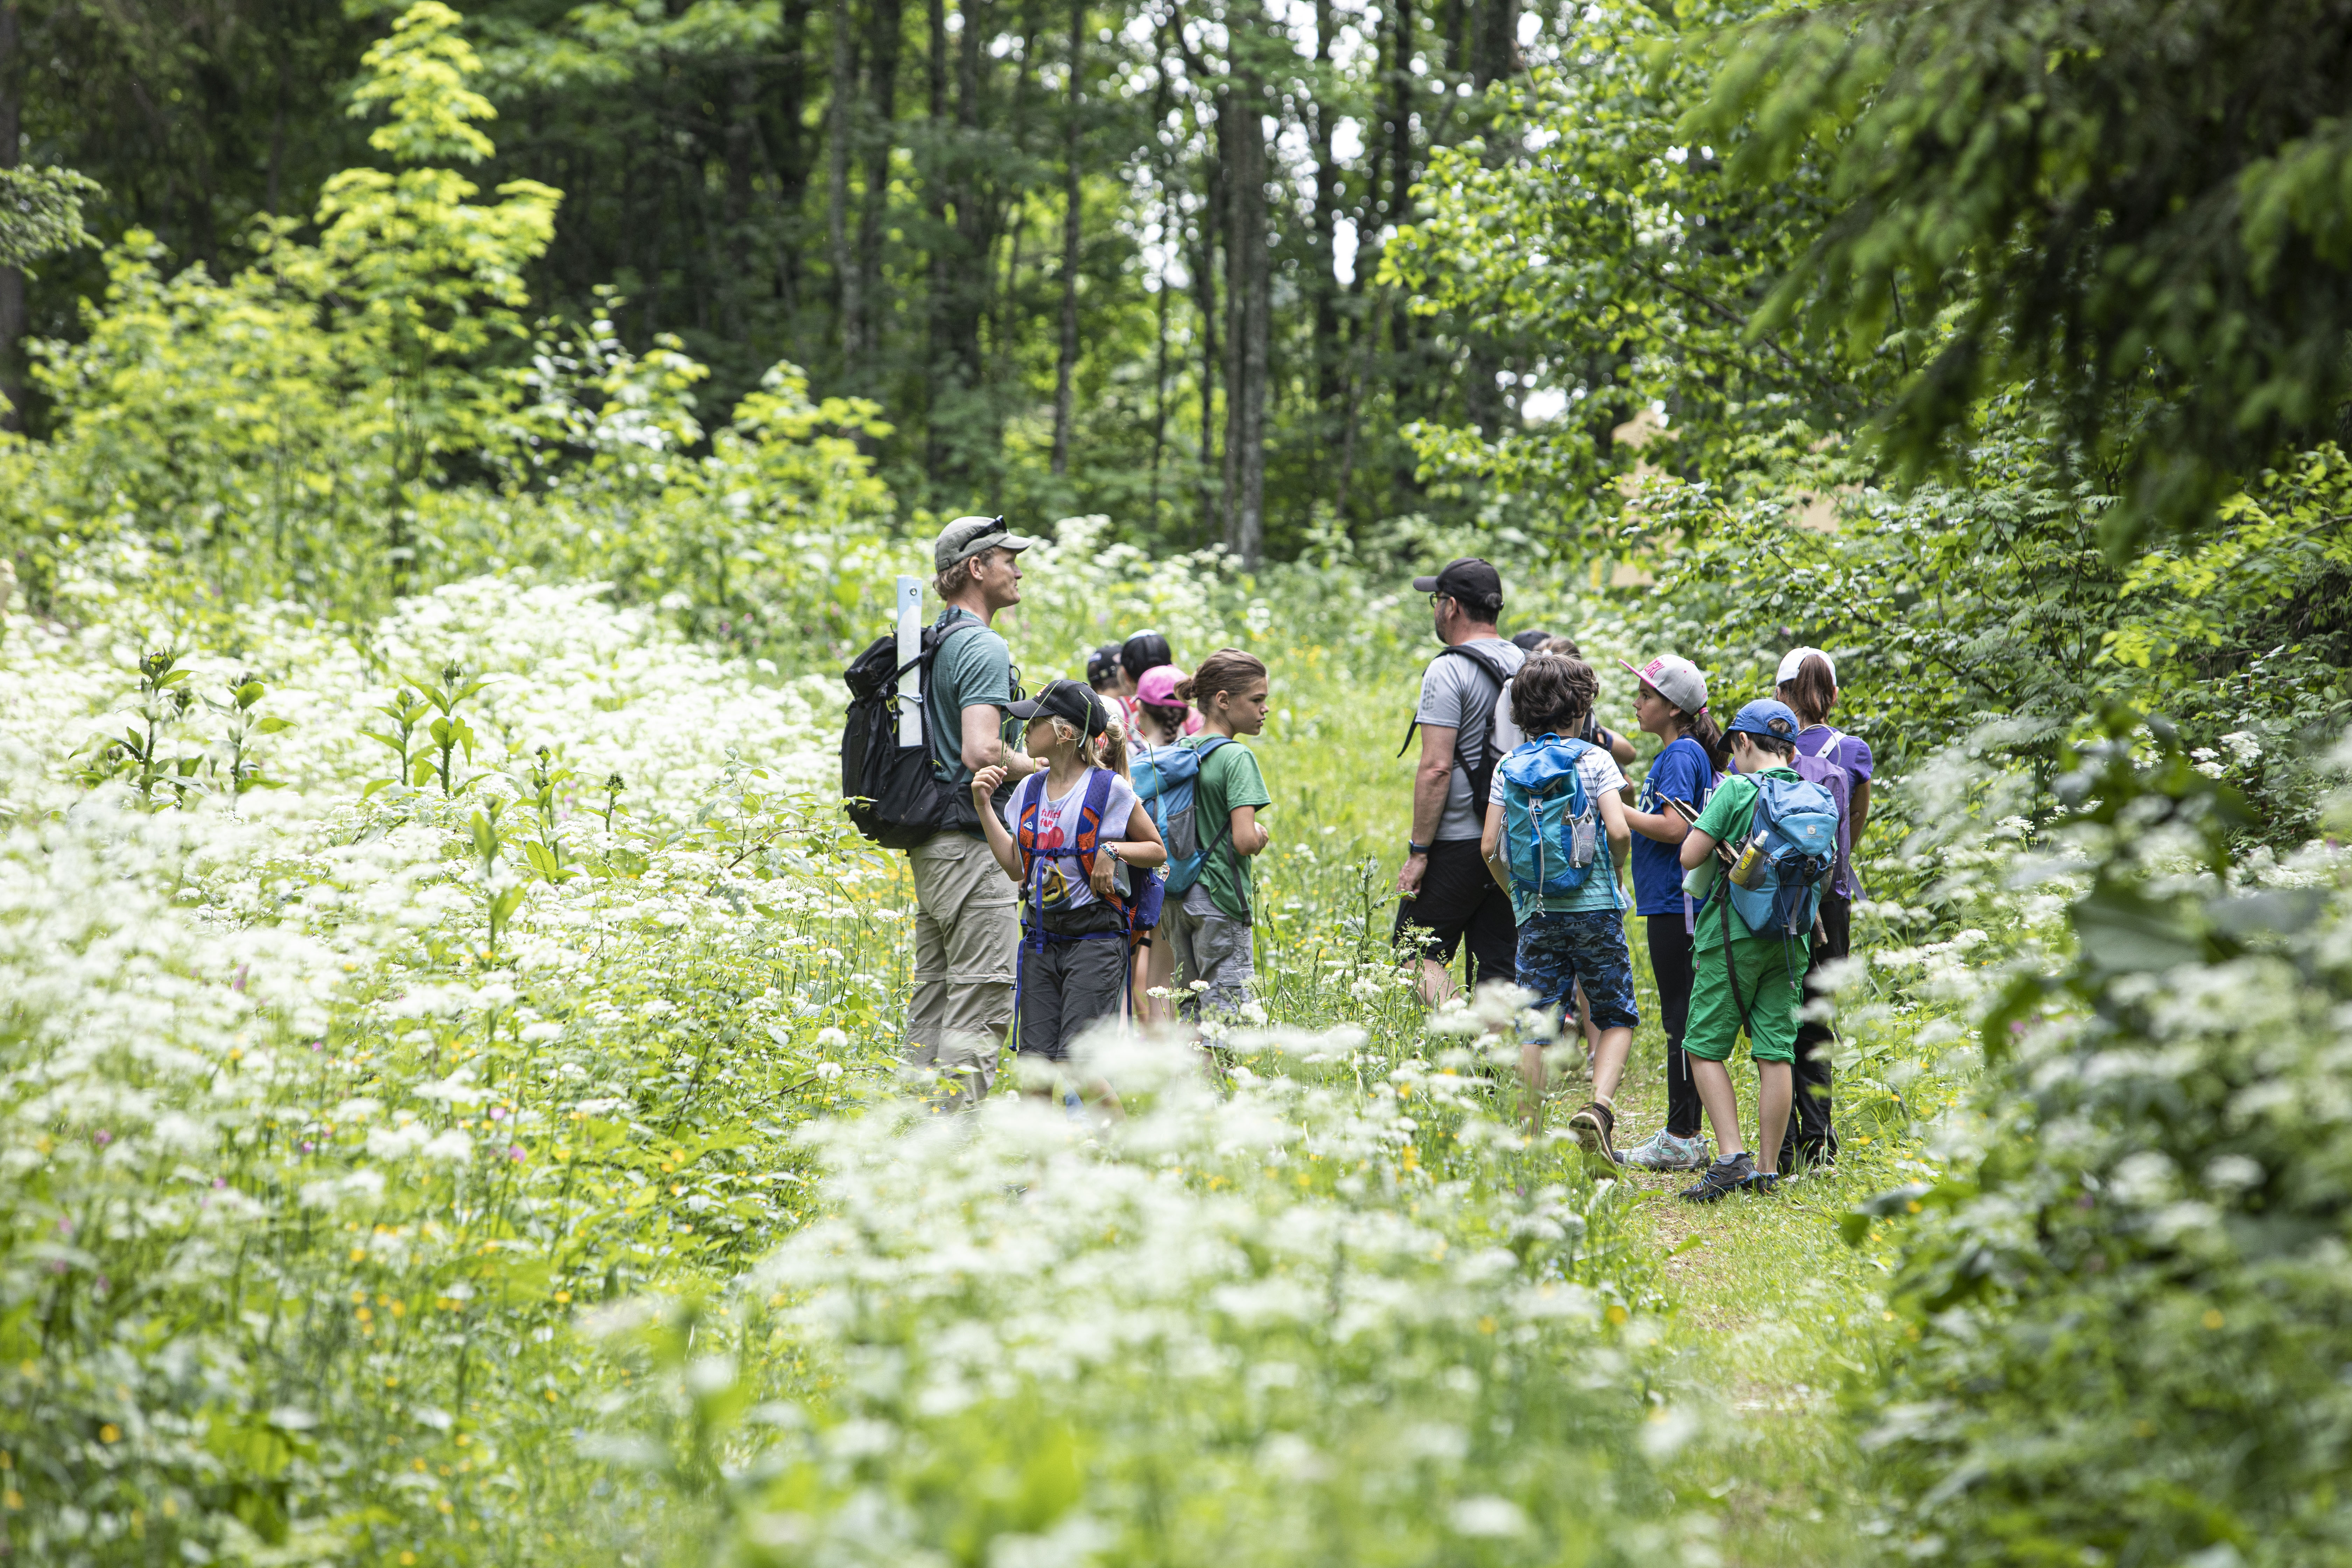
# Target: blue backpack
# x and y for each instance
(1551, 825)
(1795, 828)
(1164, 780)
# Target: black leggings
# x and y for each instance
(1670, 966)
(1815, 1136)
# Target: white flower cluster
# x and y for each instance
(1221, 1298)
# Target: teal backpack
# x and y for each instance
(1165, 777)
(1796, 829)
(1552, 825)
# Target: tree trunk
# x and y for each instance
(1323, 243)
(1494, 56)
(789, 137)
(1065, 370)
(886, 31)
(1406, 374)
(1248, 306)
(845, 271)
(1204, 300)
(12, 279)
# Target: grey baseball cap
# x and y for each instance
(1676, 680)
(968, 536)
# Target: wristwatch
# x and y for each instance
(1413, 849)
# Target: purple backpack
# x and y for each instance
(1833, 776)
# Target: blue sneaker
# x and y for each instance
(1723, 1178)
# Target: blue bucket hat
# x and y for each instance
(1765, 716)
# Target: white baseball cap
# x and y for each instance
(1794, 660)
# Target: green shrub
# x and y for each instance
(2131, 1298)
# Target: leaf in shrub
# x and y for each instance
(2123, 931)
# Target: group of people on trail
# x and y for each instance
(1739, 842)
(1101, 868)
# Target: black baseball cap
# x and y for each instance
(1144, 650)
(1466, 578)
(1068, 700)
(1102, 664)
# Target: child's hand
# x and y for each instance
(1099, 878)
(984, 783)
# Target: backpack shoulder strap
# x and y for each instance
(1486, 666)
(1486, 662)
(1090, 826)
(1827, 748)
(1026, 798)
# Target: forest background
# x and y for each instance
(429, 918)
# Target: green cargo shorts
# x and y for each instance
(1772, 982)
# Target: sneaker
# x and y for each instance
(1724, 1177)
(1764, 1184)
(1662, 1151)
(1595, 1126)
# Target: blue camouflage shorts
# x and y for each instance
(1557, 951)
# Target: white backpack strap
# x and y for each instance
(1826, 747)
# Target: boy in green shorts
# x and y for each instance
(1769, 967)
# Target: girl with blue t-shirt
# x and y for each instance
(1672, 705)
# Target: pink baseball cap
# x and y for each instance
(1158, 687)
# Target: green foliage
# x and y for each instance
(344, 419)
(2138, 206)
(41, 212)
(1616, 243)
(419, 75)
(2128, 1294)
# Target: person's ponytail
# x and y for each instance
(1701, 727)
(1113, 748)
(1812, 693)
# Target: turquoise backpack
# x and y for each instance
(1165, 777)
(1551, 825)
(1796, 828)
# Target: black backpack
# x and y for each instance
(1480, 768)
(892, 793)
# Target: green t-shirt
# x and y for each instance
(1229, 778)
(1730, 811)
(971, 668)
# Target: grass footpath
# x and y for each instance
(1770, 1314)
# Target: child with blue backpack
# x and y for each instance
(1556, 840)
(1073, 824)
(1752, 937)
(1208, 915)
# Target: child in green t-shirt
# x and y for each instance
(1210, 925)
(1770, 970)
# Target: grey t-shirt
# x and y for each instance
(1457, 694)
(971, 668)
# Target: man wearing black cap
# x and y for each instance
(1449, 896)
(966, 928)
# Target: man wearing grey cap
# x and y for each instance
(967, 929)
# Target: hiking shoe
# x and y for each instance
(1724, 1177)
(1662, 1151)
(1595, 1126)
(1763, 1183)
